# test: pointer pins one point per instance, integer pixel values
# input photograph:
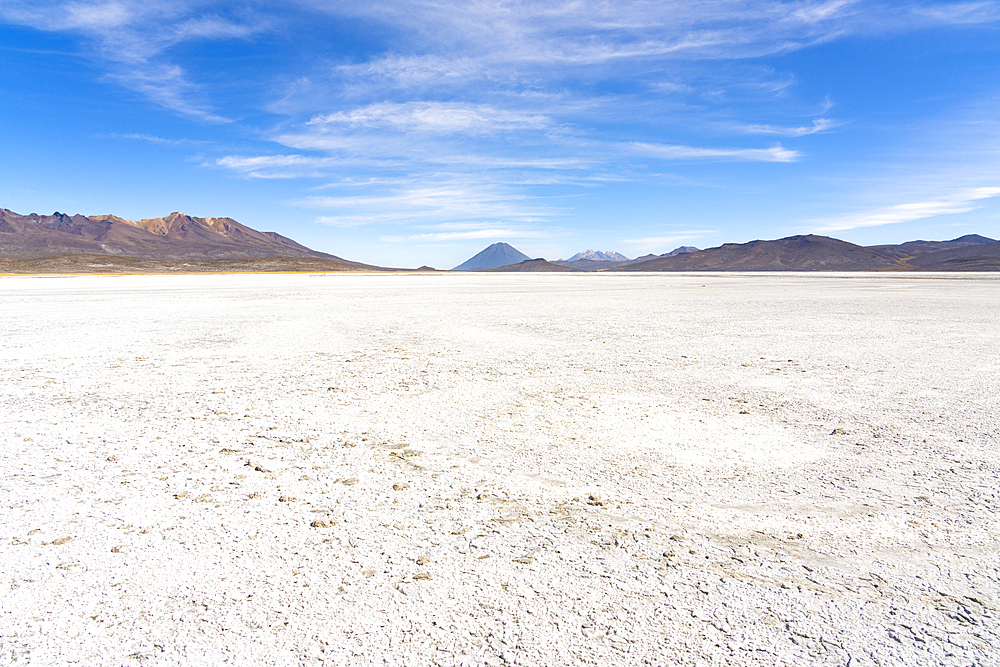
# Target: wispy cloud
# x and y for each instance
(167, 85)
(441, 44)
(588, 32)
(153, 139)
(469, 235)
(432, 117)
(347, 221)
(960, 202)
(277, 166)
(962, 12)
(676, 152)
(441, 199)
(129, 39)
(818, 125)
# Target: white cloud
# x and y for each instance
(960, 202)
(815, 13)
(442, 43)
(277, 166)
(418, 71)
(672, 87)
(442, 199)
(432, 117)
(818, 125)
(962, 12)
(130, 37)
(166, 85)
(153, 139)
(100, 15)
(484, 233)
(150, 138)
(675, 152)
(347, 221)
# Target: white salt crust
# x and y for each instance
(500, 469)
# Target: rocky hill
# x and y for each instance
(173, 237)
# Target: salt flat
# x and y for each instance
(487, 469)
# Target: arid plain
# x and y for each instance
(531, 469)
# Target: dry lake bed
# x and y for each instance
(535, 469)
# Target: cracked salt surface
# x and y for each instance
(500, 469)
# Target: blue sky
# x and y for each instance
(409, 133)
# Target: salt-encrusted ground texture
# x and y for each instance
(488, 469)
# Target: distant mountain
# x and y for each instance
(176, 236)
(604, 265)
(531, 265)
(682, 250)
(597, 256)
(794, 253)
(915, 248)
(498, 254)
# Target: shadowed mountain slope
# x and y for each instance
(498, 254)
(539, 265)
(176, 236)
(794, 253)
(979, 257)
(917, 248)
(588, 264)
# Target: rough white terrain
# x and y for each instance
(537, 469)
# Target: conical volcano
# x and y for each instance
(498, 254)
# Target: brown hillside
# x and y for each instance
(176, 236)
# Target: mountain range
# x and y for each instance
(179, 242)
(588, 260)
(822, 253)
(808, 252)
